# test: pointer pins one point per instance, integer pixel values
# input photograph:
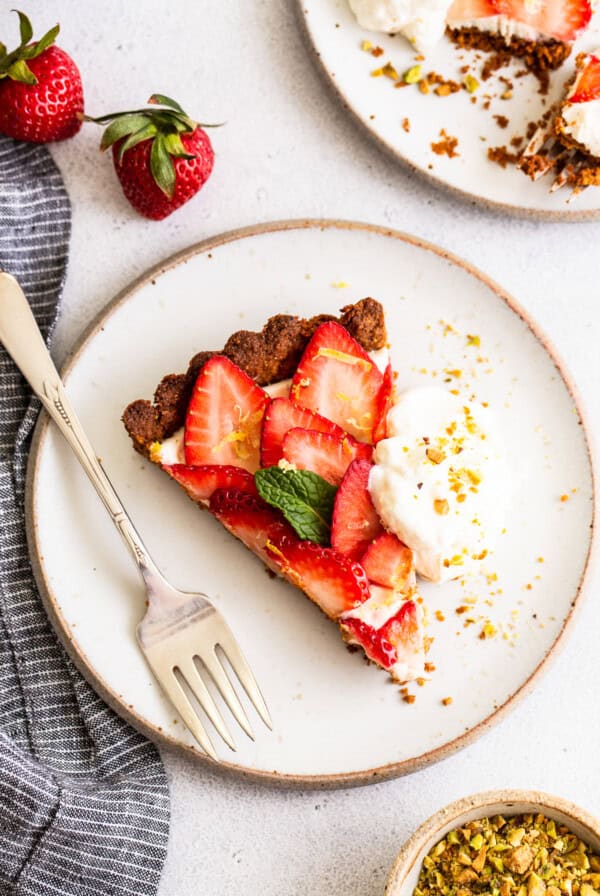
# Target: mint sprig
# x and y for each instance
(304, 498)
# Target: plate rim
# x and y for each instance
(433, 180)
(154, 733)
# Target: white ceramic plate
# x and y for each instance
(336, 40)
(337, 720)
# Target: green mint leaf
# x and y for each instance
(304, 498)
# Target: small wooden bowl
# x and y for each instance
(406, 869)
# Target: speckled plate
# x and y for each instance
(337, 720)
(336, 39)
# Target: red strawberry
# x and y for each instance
(337, 379)
(389, 562)
(323, 453)
(162, 157)
(251, 520)
(41, 97)
(224, 417)
(201, 482)
(283, 415)
(588, 85)
(563, 20)
(384, 403)
(466, 10)
(335, 583)
(399, 638)
(355, 522)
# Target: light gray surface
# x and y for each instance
(288, 150)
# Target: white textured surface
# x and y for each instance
(289, 150)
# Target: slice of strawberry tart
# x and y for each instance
(577, 126)
(283, 436)
(541, 32)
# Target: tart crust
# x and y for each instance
(538, 56)
(268, 356)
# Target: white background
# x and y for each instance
(289, 150)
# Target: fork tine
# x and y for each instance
(238, 663)
(226, 691)
(172, 688)
(194, 679)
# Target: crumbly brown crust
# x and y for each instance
(538, 56)
(267, 356)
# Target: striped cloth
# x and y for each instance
(84, 807)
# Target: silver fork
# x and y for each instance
(178, 629)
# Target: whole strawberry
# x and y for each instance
(161, 156)
(41, 97)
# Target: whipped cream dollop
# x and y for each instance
(437, 482)
(422, 22)
(582, 120)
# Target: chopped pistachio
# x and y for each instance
(412, 75)
(471, 83)
(525, 855)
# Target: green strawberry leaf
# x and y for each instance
(46, 41)
(304, 498)
(25, 28)
(162, 167)
(176, 148)
(123, 127)
(145, 133)
(161, 100)
(20, 71)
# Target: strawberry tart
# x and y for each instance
(541, 32)
(295, 441)
(577, 126)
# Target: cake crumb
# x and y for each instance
(447, 701)
(502, 156)
(501, 120)
(406, 125)
(446, 146)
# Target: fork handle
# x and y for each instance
(23, 341)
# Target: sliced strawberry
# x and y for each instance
(337, 379)
(323, 453)
(588, 85)
(383, 404)
(201, 482)
(283, 415)
(251, 520)
(467, 10)
(389, 562)
(399, 639)
(355, 522)
(224, 417)
(563, 20)
(334, 582)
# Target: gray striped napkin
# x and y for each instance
(84, 808)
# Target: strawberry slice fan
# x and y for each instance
(288, 476)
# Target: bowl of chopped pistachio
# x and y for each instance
(502, 843)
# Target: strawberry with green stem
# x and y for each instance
(161, 156)
(41, 96)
